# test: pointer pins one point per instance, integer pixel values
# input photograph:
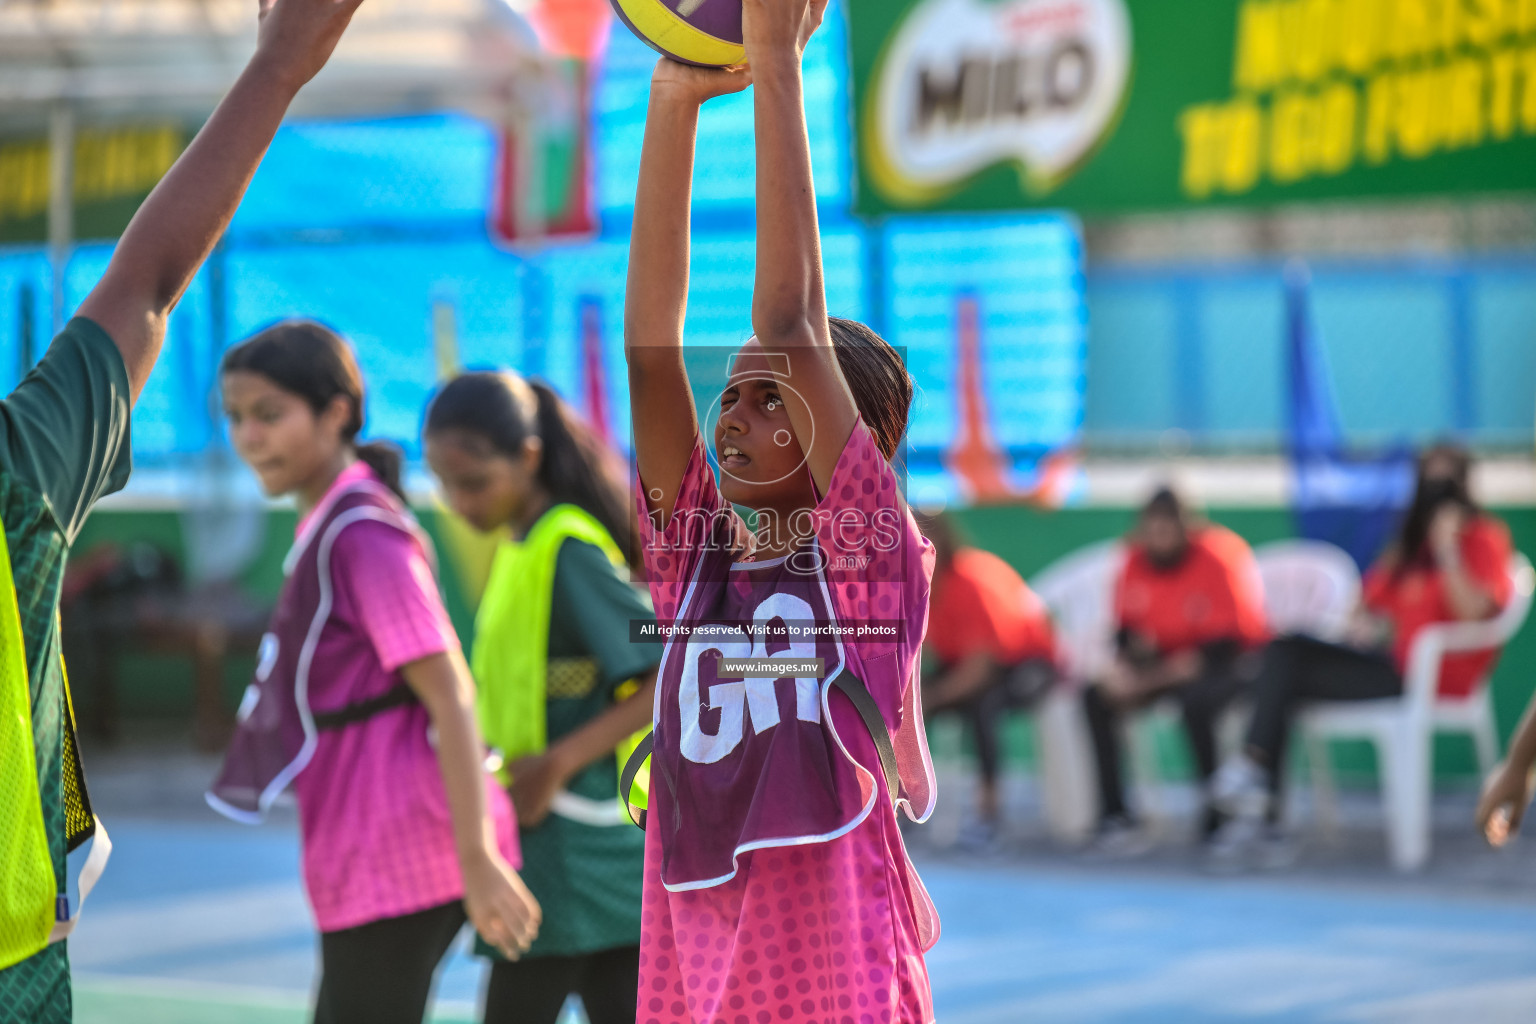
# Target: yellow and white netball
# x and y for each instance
(704, 32)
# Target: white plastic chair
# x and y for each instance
(1403, 728)
(1309, 587)
(1078, 591)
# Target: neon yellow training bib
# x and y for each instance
(512, 634)
(27, 884)
(33, 913)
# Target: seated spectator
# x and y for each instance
(994, 647)
(1188, 606)
(1449, 563)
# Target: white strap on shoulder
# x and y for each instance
(90, 873)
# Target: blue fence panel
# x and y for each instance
(1132, 333)
(1388, 347)
(380, 297)
(576, 275)
(25, 297)
(1023, 275)
(1415, 350)
(483, 287)
(397, 174)
(1504, 324)
(1243, 328)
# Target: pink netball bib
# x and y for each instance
(747, 763)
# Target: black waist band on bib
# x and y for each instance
(363, 710)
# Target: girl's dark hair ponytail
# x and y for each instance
(312, 361)
(877, 377)
(387, 462)
(576, 468)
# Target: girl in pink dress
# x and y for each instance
(362, 701)
(777, 886)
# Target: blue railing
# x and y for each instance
(1416, 348)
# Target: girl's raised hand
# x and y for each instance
(815, 11)
(296, 37)
(695, 84)
(779, 27)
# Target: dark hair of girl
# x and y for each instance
(1165, 503)
(312, 361)
(577, 468)
(881, 385)
(1429, 494)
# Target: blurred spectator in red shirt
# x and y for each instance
(1188, 605)
(994, 647)
(1449, 563)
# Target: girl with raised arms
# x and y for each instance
(777, 884)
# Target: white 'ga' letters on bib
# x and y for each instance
(756, 697)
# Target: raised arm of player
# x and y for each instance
(181, 221)
(789, 303)
(656, 300)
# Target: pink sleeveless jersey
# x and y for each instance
(777, 887)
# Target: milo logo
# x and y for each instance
(968, 84)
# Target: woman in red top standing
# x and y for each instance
(1450, 563)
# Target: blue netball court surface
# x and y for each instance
(200, 922)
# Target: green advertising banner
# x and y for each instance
(1114, 106)
(115, 167)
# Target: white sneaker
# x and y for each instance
(1247, 844)
(1241, 788)
(1118, 839)
(979, 836)
(1232, 849)
(1276, 850)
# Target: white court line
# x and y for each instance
(165, 928)
(249, 996)
(190, 991)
